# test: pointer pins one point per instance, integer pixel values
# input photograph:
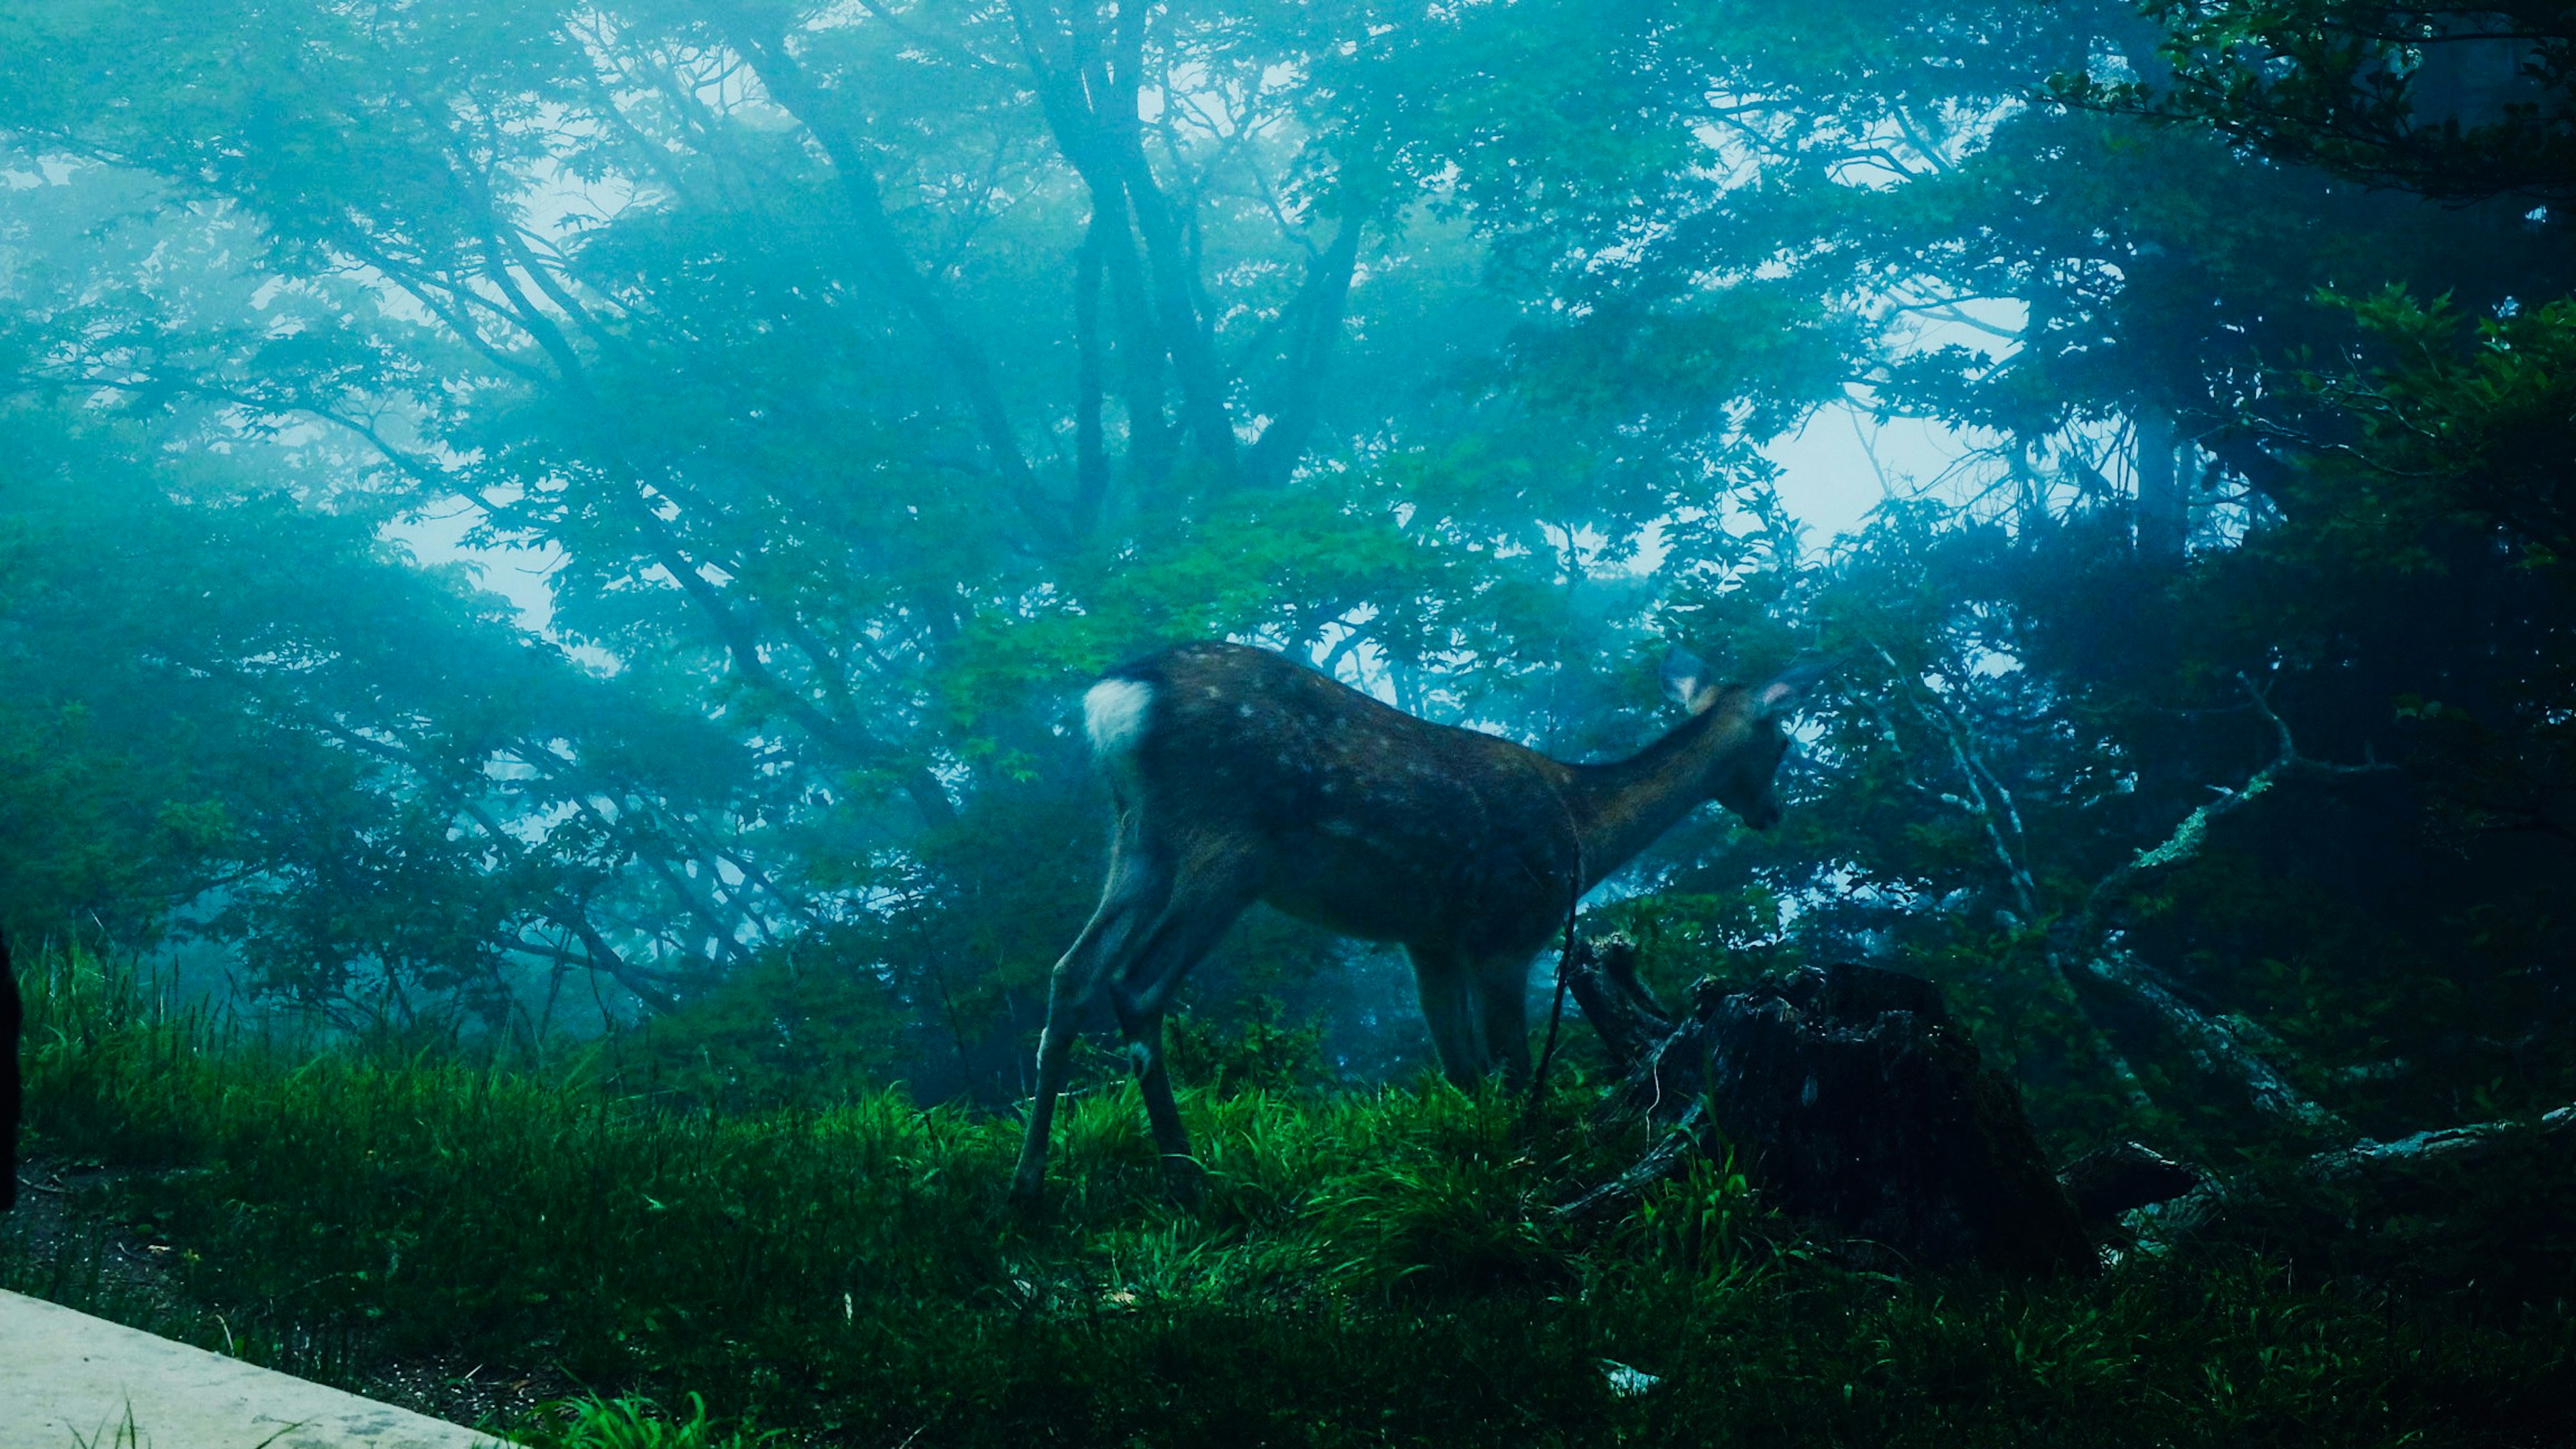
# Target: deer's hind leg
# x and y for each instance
(1136, 893)
(1207, 897)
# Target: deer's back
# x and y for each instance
(1366, 820)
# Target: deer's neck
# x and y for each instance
(1621, 807)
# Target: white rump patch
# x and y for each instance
(1113, 714)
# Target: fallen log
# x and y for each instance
(2123, 1177)
(2214, 1045)
(2478, 1209)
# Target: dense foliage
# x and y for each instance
(862, 378)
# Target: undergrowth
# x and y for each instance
(1372, 1267)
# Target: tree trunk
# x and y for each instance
(2164, 508)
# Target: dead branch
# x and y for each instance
(1668, 1157)
(2216, 1047)
(2440, 1144)
(1602, 975)
(2189, 837)
(2089, 956)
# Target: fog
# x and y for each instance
(525, 522)
(1558, 722)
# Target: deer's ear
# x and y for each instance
(1789, 688)
(1688, 681)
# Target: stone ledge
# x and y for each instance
(68, 1380)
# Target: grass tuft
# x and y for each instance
(631, 1423)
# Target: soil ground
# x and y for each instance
(64, 1213)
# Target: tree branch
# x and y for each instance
(2188, 837)
(1319, 306)
(2215, 1045)
(1091, 459)
(884, 251)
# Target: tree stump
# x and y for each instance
(1851, 1098)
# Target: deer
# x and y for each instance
(1238, 775)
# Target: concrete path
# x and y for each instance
(69, 1380)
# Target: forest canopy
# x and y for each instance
(864, 378)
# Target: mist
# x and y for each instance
(573, 538)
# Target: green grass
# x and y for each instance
(1366, 1268)
(632, 1423)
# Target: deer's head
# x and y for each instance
(1746, 730)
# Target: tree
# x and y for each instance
(869, 376)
